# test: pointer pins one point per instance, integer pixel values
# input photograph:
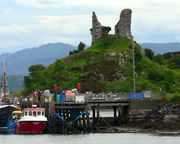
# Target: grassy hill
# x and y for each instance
(105, 66)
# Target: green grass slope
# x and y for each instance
(105, 66)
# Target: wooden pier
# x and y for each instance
(84, 117)
(72, 118)
(119, 109)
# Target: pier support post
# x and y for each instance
(98, 115)
(119, 115)
(115, 115)
(94, 116)
(124, 114)
(52, 116)
(84, 122)
(88, 123)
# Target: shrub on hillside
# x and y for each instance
(156, 75)
(159, 59)
(149, 53)
(174, 62)
(172, 97)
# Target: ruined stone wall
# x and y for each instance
(123, 27)
(96, 30)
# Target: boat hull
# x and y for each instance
(30, 127)
(11, 125)
(6, 123)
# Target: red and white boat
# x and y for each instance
(33, 121)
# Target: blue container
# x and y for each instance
(62, 97)
(137, 95)
(58, 98)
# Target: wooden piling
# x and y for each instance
(115, 115)
(98, 115)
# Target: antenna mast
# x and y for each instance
(4, 86)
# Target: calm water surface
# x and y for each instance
(90, 139)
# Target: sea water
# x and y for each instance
(115, 138)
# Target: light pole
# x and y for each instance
(133, 56)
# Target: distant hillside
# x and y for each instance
(15, 83)
(105, 66)
(19, 62)
(162, 48)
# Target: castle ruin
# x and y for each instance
(96, 30)
(123, 27)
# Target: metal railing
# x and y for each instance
(105, 97)
(121, 96)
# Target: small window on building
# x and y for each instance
(25, 113)
(43, 113)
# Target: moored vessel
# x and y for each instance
(33, 121)
(7, 121)
(12, 122)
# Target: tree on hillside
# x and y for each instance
(81, 46)
(105, 30)
(159, 59)
(73, 52)
(36, 68)
(138, 56)
(27, 81)
(35, 78)
(174, 62)
(149, 53)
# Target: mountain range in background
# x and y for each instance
(161, 48)
(16, 83)
(19, 62)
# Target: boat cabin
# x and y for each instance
(17, 113)
(34, 112)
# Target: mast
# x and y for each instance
(4, 86)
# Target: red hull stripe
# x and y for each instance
(30, 127)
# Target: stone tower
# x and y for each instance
(123, 27)
(96, 30)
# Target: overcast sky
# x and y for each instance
(31, 23)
